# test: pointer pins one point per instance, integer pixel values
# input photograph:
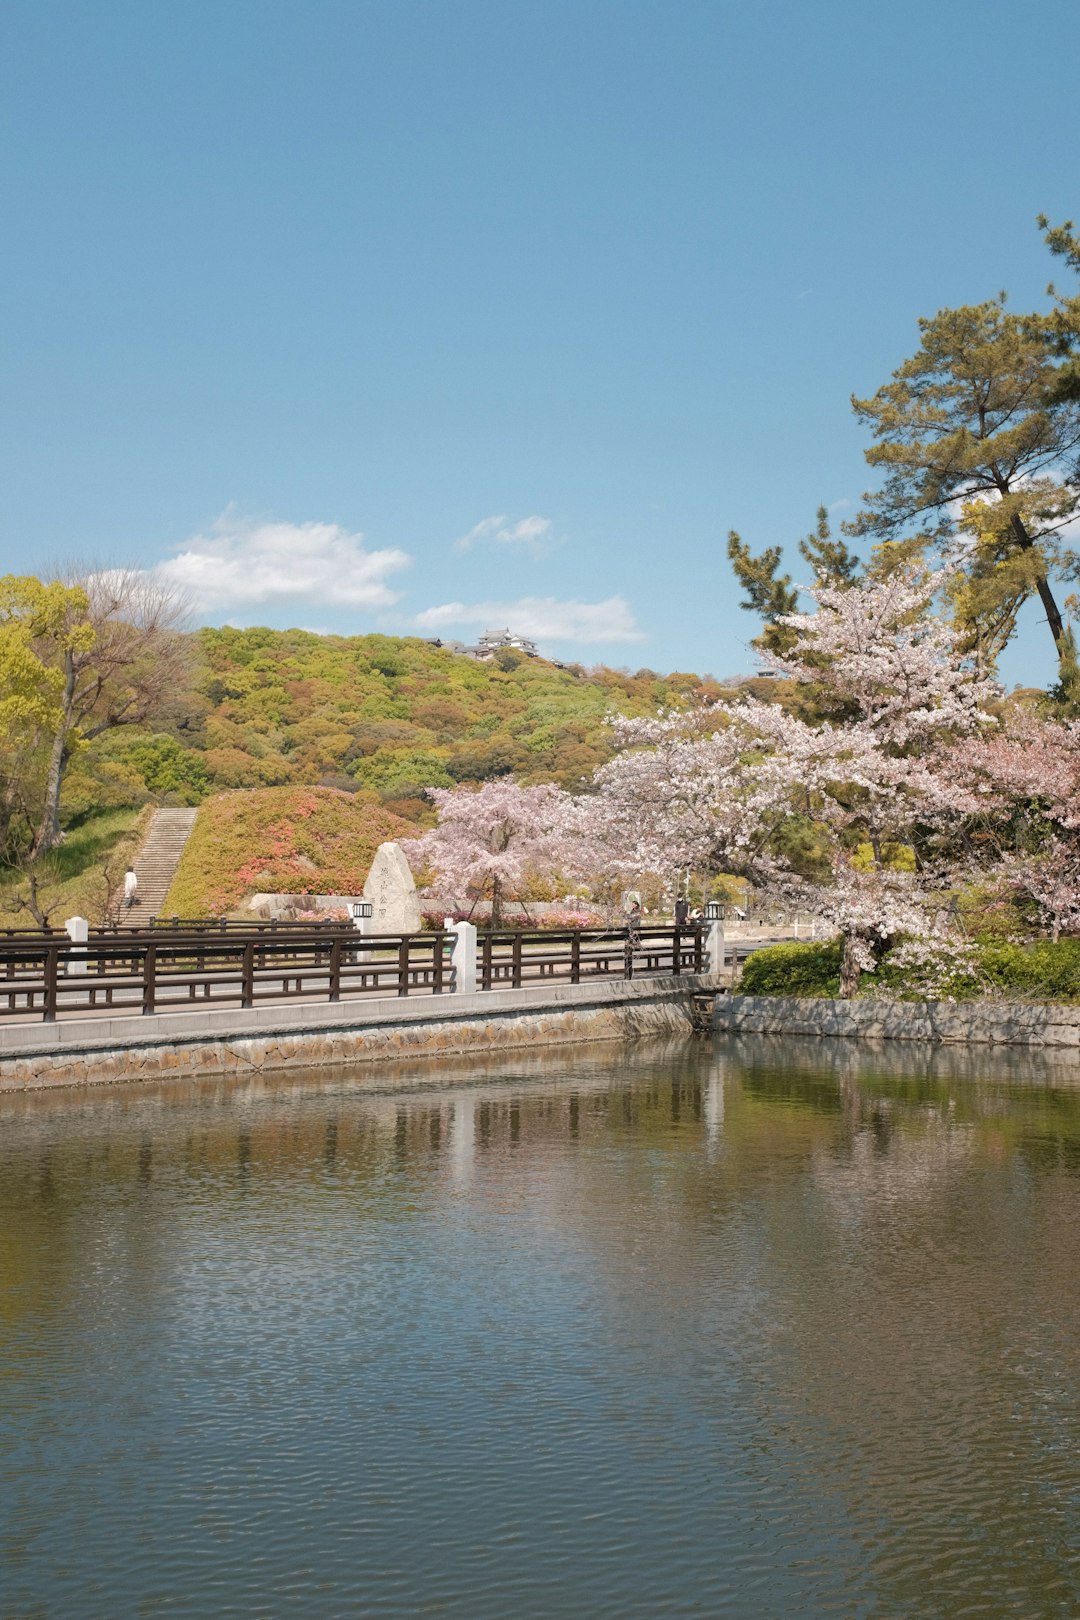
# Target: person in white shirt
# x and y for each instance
(131, 886)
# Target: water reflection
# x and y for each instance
(762, 1328)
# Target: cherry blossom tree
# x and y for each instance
(490, 839)
(1024, 780)
(890, 692)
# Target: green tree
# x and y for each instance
(112, 641)
(1064, 323)
(977, 441)
(35, 618)
(768, 592)
(828, 555)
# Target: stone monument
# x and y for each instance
(392, 893)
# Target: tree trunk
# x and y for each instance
(850, 971)
(48, 833)
(1042, 584)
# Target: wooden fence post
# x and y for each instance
(575, 958)
(515, 957)
(403, 967)
(335, 971)
(247, 975)
(149, 980)
(676, 951)
(52, 968)
(485, 971)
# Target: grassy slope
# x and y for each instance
(73, 882)
(290, 840)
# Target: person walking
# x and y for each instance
(131, 887)
(682, 913)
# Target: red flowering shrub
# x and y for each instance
(279, 840)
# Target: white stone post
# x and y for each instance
(464, 957)
(79, 931)
(714, 946)
(362, 924)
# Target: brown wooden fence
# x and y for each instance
(182, 926)
(48, 977)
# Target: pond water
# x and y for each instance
(752, 1328)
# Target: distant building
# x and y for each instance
(744, 680)
(490, 643)
(493, 641)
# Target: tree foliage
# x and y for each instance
(769, 593)
(79, 658)
(978, 440)
(492, 839)
(832, 560)
(725, 788)
(36, 619)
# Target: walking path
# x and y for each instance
(157, 860)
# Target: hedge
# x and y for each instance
(1047, 970)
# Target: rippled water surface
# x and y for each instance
(763, 1329)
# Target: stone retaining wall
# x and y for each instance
(314, 1034)
(993, 1023)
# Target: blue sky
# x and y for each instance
(420, 316)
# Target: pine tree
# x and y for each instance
(830, 558)
(978, 441)
(768, 592)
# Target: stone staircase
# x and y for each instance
(157, 860)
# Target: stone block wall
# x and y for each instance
(1004, 1023)
(172, 1045)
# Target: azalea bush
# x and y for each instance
(563, 920)
(283, 840)
(548, 921)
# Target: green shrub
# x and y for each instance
(1046, 971)
(1049, 970)
(793, 970)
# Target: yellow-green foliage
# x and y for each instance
(72, 879)
(898, 857)
(398, 715)
(279, 840)
(393, 715)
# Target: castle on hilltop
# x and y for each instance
(490, 643)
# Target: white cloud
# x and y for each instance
(242, 560)
(541, 617)
(532, 534)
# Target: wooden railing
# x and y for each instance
(181, 926)
(47, 979)
(149, 971)
(513, 959)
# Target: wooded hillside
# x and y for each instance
(379, 713)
